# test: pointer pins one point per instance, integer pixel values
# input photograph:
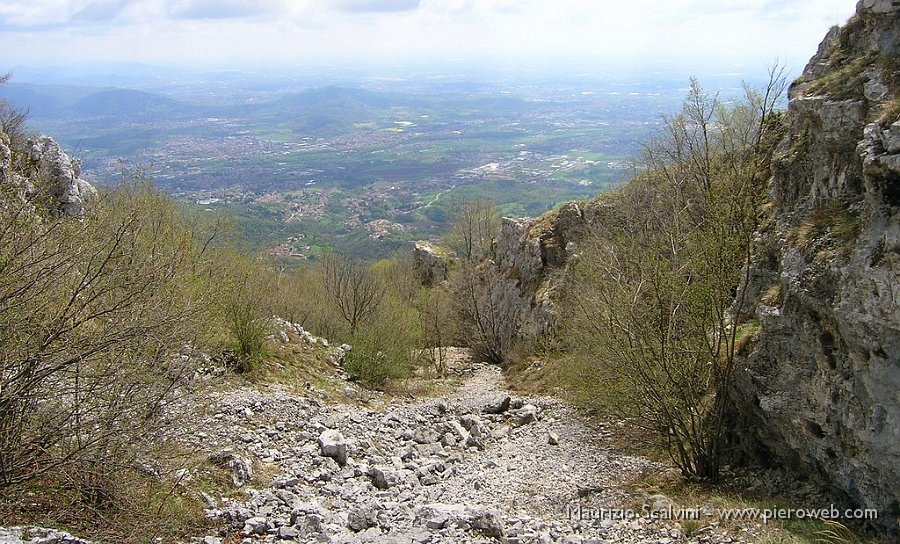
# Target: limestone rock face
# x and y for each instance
(532, 258)
(5, 159)
(430, 263)
(62, 175)
(820, 384)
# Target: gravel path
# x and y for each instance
(478, 465)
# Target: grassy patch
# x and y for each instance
(841, 222)
(135, 507)
(295, 365)
(845, 82)
(543, 224)
(746, 336)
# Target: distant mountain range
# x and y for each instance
(51, 101)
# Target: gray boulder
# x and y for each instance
(498, 406)
(256, 526)
(527, 414)
(382, 477)
(332, 444)
(361, 518)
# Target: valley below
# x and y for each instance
(360, 166)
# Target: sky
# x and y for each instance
(243, 34)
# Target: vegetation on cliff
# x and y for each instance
(653, 296)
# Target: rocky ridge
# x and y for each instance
(821, 381)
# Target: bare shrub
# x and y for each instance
(654, 290)
(90, 312)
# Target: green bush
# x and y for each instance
(246, 293)
(91, 311)
(652, 308)
(386, 347)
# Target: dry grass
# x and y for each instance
(425, 381)
(136, 508)
(772, 296)
(840, 222)
(890, 111)
(693, 495)
(294, 364)
(843, 83)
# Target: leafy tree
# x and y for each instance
(487, 320)
(246, 295)
(436, 315)
(385, 347)
(387, 337)
(12, 120)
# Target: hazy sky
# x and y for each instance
(245, 33)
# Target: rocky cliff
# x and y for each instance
(44, 172)
(821, 382)
(531, 259)
(431, 263)
(819, 386)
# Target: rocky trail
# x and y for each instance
(477, 465)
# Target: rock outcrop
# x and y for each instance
(45, 173)
(61, 175)
(531, 259)
(5, 159)
(431, 264)
(821, 381)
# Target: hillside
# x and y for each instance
(130, 104)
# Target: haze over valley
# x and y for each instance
(362, 164)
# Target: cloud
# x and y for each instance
(16, 13)
(223, 9)
(99, 10)
(50, 14)
(365, 6)
(584, 33)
